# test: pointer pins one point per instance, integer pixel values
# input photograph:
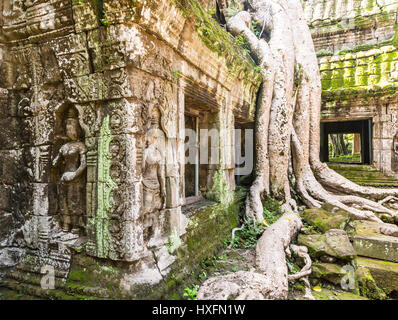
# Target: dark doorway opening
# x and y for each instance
(201, 148)
(244, 153)
(347, 141)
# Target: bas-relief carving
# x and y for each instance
(394, 162)
(153, 176)
(71, 186)
(13, 10)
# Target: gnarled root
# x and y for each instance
(302, 252)
(288, 114)
(272, 282)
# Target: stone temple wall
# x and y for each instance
(356, 42)
(82, 83)
(344, 24)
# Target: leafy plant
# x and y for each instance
(190, 294)
(177, 74)
(211, 11)
(105, 22)
(272, 210)
(255, 28)
(242, 42)
(203, 275)
(249, 235)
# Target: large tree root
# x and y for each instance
(272, 282)
(288, 137)
(302, 252)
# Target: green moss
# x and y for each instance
(217, 39)
(220, 190)
(100, 224)
(325, 220)
(367, 285)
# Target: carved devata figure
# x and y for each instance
(394, 162)
(153, 168)
(153, 175)
(71, 188)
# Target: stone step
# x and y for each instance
(369, 242)
(19, 282)
(385, 273)
(327, 294)
(37, 291)
(70, 287)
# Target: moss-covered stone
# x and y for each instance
(326, 294)
(363, 174)
(369, 242)
(210, 225)
(329, 272)
(218, 39)
(367, 285)
(325, 220)
(384, 273)
(363, 71)
(334, 243)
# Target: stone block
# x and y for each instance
(369, 242)
(9, 133)
(5, 226)
(329, 272)
(384, 273)
(334, 243)
(326, 220)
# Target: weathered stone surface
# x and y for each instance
(9, 257)
(368, 241)
(385, 273)
(329, 272)
(82, 86)
(334, 242)
(5, 225)
(326, 294)
(325, 220)
(338, 25)
(367, 285)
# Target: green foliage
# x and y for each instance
(247, 237)
(272, 210)
(211, 11)
(190, 294)
(241, 41)
(105, 22)
(217, 39)
(177, 74)
(256, 28)
(309, 229)
(350, 158)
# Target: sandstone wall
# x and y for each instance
(358, 58)
(116, 67)
(344, 24)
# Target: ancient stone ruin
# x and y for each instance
(96, 100)
(83, 87)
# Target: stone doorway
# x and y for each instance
(355, 137)
(202, 148)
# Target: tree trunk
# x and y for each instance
(288, 137)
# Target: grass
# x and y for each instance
(351, 158)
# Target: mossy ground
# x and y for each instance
(365, 175)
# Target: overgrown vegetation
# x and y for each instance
(249, 235)
(251, 230)
(217, 39)
(190, 294)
